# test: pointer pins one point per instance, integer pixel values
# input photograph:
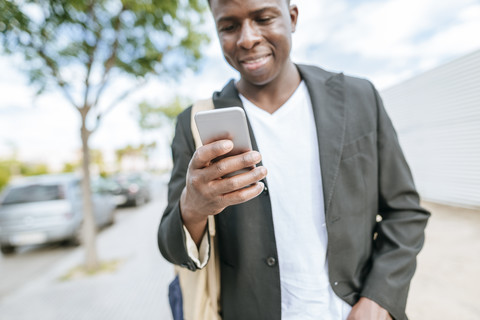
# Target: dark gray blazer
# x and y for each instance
(364, 175)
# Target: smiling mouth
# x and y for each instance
(255, 63)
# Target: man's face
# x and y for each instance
(255, 36)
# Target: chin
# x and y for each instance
(257, 80)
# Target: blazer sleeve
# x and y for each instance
(171, 234)
(400, 233)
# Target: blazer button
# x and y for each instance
(271, 261)
(265, 191)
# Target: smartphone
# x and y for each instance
(225, 123)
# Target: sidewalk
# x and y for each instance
(137, 290)
(445, 285)
(447, 280)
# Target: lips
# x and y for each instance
(255, 62)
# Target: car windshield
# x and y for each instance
(33, 193)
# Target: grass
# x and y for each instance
(80, 272)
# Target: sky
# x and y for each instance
(386, 41)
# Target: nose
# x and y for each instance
(249, 36)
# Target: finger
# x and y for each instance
(231, 164)
(243, 195)
(205, 154)
(240, 181)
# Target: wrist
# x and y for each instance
(188, 213)
(195, 223)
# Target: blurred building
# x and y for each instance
(437, 118)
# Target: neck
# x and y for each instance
(271, 96)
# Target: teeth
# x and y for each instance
(256, 60)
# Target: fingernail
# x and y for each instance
(262, 185)
(227, 144)
(263, 170)
(256, 156)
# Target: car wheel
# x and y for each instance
(76, 239)
(7, 249)
(138, 201)
(111, 219)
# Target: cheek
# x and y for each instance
(225, 44)
(283, 44)
(228, 50)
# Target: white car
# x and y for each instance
(49, 208)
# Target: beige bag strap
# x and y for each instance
(213, 266)
(202, 105)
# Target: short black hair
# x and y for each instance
(288, 2)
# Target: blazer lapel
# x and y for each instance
(327, 95)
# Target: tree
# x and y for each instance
(5, 174)
(140, 151)
(153, 117)
(70, 167)
(12, 167)
(98, 161)
(84, 47)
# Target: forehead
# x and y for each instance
(227, 8)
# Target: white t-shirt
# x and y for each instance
(287, 140)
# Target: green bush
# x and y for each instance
(4, 175)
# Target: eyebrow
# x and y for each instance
(253, 13)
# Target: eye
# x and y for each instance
(227, 28)
(265, 20)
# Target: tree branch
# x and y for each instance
(91, 59)
(110, 62)
(60, 82)
(100, 116)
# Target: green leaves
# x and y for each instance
(96, 37)
(154, 117)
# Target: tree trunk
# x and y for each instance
(89, 226)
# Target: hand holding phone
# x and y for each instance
(212, 183)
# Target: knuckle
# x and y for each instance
(233, 184)
(221, 167)
(200, 154)
(211, 192)
(222, 201)
(242, 197)
(195, 180)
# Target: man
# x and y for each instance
(333, 230)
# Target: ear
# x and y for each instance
(293, 10)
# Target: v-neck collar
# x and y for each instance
(284, 109)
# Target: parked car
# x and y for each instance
(131, 188)
(49, 208)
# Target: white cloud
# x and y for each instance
(385, 39)
(390, 29)
(458, 38)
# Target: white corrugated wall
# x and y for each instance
(437, 118)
